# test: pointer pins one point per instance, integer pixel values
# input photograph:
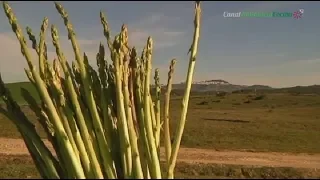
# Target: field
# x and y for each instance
(275, 135)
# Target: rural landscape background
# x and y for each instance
(257, 132)
(255, 104)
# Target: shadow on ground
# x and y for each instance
(226, 120)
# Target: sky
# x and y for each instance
(278, 52)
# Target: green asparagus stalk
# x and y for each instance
(132, 133)
(167, 139)
(121, 113)
(44, 27)
(106, 155)
(185, 100)
(143, 140)
(102, 123)
(77, 108)
(155, 166)
(53, 115)
(24, 125)
(157, 109)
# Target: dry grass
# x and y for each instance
(23, 167)
(278, 123)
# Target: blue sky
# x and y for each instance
(273, 51)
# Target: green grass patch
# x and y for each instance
(15, 89)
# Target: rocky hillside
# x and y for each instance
(219, 85)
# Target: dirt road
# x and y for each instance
(192, 155)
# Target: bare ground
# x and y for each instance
(193, 155)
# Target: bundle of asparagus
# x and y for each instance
(104, 123)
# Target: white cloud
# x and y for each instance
(12, 63)
(155, 26)
(162, 38)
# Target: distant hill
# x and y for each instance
(218, 85)
(202, 87)
(314, 89)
